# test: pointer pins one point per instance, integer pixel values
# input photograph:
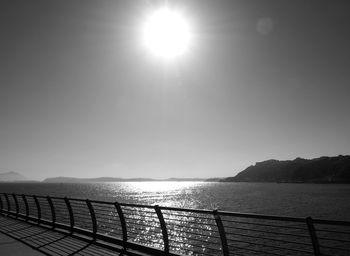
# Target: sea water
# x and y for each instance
(327, 201)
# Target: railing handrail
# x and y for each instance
(21, 200)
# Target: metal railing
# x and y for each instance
(174, 231)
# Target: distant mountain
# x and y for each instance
(213, 179)
(318, 170)
(11, 177)
(110, 179)
(183, 179)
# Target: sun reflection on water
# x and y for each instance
(176, 194)
(159, 186)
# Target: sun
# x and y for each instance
(166, 33)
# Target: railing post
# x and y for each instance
(93, 217)
(122, 223)
(313, 236)
(71, 216)
(8, 204)
(37, 207)
(16, 204)
(164, 229)
(26, 205)
(1, 204)
(53, 212)
(222, 233)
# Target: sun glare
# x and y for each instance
(166, 33)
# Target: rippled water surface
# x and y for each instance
(316, 200)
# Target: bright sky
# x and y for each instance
(81, 96)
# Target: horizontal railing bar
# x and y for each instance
(137, 205)
(196, 234)
(152, 239)
(178, 246)
(333, 231)
(137, 235)
(106, 215)
(144, 240)
(45, 208)
(193, 225)
(76, 199)
(106, 220)
(85, 213)
(193, 239)
(331, 222)
(145, 220)
(133, 224)
(192, 222)
(252, 250)
(101, 202)
(335, 240)
(192, 228)
(199, 246)
(262, 224)
(138, 210)
(259, 216)
(188, 250)
(59, 205)
(111, 225)
(82, 216)
(238, 254)
(85, 209)
(193, 250)
(272, 239)
(132, 211)
(136, 216)
(200, 216)
(109, 231)
(204, 253)
(141, 238)
(186, 210)
(334, 248)
(140, 229)
(130, 218)
(104, 233)
(107, 212)
(104, 208)
(78, 203)
(190, 237)
(269, 246)
(267, 232)
(173, 227)
(197, 252)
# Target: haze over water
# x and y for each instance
(330, 201)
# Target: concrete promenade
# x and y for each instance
(21, 238)
(12, 247)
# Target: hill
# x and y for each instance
(318, 170)
(11, 177)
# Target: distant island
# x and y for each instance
(318, 170)
(14, 177)
(111, 179)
